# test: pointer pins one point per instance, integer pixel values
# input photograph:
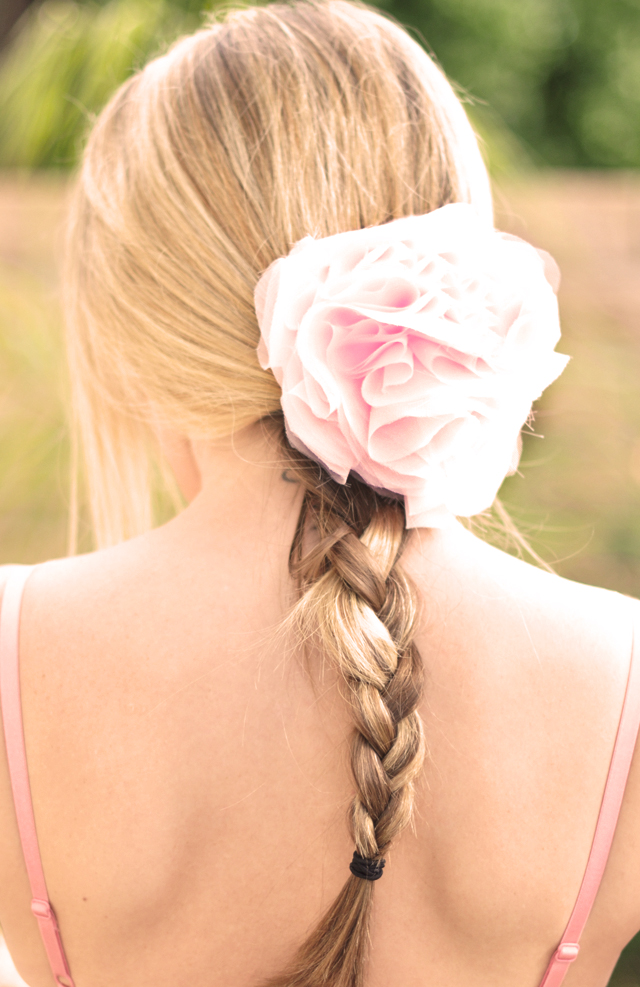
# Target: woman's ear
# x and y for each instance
(178, 452)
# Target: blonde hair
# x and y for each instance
(270, 124)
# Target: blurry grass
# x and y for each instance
(34, 455)
(577, 495)
(63, 65)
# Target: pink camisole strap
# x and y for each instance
(19, 773)
(563, 956)
(615, 785)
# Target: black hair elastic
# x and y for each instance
(367, 868)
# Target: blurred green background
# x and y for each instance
(553, 88)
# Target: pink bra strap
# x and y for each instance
(19, 773)
(619, 767)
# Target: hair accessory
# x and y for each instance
(410, 353)
(367, 868)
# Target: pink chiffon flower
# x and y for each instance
(410, 354)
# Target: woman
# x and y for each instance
(283, 282)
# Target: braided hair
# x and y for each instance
(356, 602)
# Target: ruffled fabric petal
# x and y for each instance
(410, 354)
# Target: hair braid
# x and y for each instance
(360, 607)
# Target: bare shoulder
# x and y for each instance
(56, 569)
(71, 600)
(543, 661)
(521, 637)
(59, 588)
(461, 574)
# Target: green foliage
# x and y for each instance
(563, 75)
(65, 62)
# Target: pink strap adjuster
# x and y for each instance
(567, 952)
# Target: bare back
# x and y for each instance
(191, 780)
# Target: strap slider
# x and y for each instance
(42, 909)
(567, 952)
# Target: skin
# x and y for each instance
(191, 780)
